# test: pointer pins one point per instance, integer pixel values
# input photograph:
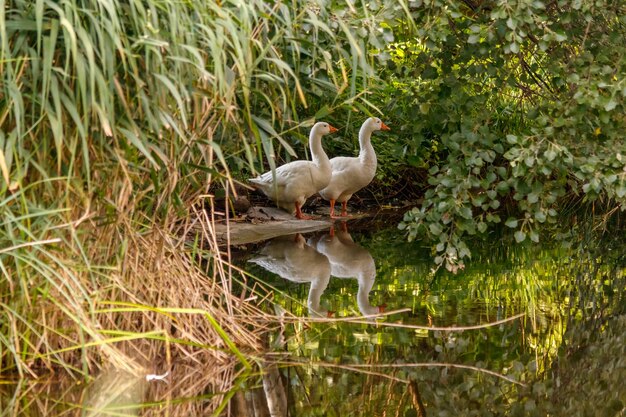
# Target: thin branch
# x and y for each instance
(362, 367)
(352, 368)
(439, 365)
(360, 320)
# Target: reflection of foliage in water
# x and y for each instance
(570, 342)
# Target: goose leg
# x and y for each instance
(344, 208)
(299, 213)
(332, 210)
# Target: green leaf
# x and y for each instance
(137, 143)
(511, 222)
(176, 93)
(534, 236)
(435, 228)
(323, 112)
(540, 216)
(512, 24)
(465, 212)
(610, 105)
(520, 236)
(493, 218)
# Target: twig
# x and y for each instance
(361, 367)
(439, 365)
(359, 320)
(352, 368)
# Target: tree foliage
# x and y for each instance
(513, 106)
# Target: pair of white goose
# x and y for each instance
(336, 180)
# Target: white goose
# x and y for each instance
(291, 184)
(350, 174)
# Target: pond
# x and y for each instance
(368, 327)
(565, 354)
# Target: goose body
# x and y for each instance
(350, 174)
(291, 184)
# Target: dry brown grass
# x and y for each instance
(170, 306)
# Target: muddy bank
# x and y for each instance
(263, 223)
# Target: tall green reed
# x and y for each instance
(115, 118)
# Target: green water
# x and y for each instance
(565, 356)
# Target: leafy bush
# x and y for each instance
(527, 101)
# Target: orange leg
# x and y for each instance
(299, 213)
(344, 208)
(332, 210)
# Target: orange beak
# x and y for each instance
(384, 126)
(332, 129)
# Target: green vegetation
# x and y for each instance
(116, 120)
(520, 107)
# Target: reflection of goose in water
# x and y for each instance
(349, 260)
(294, 260)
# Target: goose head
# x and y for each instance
(322, 128)
(374, 123)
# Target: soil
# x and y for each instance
(263, 223)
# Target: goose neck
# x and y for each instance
(317, 152)
(366, 153)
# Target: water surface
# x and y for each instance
(570, 291)
(368, 327)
